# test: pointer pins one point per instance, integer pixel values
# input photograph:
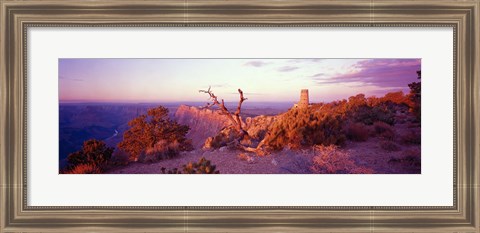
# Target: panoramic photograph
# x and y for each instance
(239, 116)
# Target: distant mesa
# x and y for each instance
(304, 100)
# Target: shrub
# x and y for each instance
(93, 152)
(368, 111)
(412, 137)
(306, 127)
(84, 169)
(409, 157)
(412, 125)
(384, 112)
(147, 130)
(396, 97)
(401, 119)
(384, 130)
(120, 157)
(412, 157)
(415, 97)
(368, 115)
(162, 150)
(325, 129)
(203, 166)
(357, 132)
(389, 146)
(332, 160)
(362, 114)
(170, 171)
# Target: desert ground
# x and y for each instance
(368, 154)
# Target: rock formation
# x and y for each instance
(206, 123)
(203, 123)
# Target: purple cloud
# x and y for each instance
(287, 68)
(381, 92)
(256, 63)
(377, 72)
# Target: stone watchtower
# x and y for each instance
(304, 102)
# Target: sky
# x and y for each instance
(262, 80)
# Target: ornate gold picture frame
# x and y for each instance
(17, 16)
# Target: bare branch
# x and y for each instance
(239, 107)
(237, 121)
(212, 97)
(221, 105)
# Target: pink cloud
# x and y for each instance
(377, 72)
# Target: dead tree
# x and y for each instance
(233, 117)
(236, 120)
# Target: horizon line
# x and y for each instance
(160, 102)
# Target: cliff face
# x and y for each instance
(203, 123)
(206, 123)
